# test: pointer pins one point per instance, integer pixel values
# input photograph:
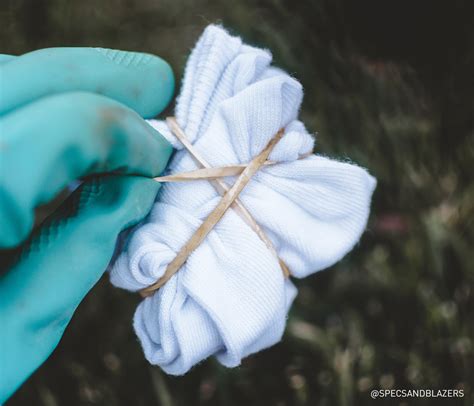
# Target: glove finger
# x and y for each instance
(59, 265)
(47, 144)
(141, 81)
(4, 58)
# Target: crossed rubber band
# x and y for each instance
(229, 198)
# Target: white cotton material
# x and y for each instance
(230, 299)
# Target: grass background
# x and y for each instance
(388, 84)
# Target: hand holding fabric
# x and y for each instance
(69, 113)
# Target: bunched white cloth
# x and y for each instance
(230, 298)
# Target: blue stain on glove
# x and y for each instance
(69, 113)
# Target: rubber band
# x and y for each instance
(229, 199)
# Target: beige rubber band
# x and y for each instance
(221, 188)
(208, 173)
(230, 196)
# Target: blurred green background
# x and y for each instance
(387, 83)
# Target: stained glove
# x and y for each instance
(69, 113)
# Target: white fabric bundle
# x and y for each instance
(231, 298)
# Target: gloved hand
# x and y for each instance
(66, 113)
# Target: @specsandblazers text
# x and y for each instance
(417, 393)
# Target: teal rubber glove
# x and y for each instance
(68, 113)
